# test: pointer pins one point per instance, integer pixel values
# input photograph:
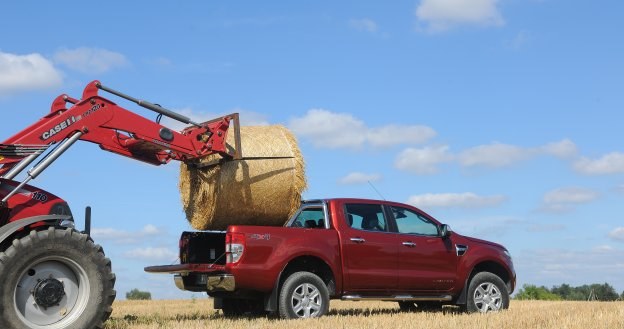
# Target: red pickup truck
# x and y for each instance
(349, 249)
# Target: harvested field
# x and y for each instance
(195, 314)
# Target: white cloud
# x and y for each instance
(152, 254)
(562, 149)
(359, 178)
(123, 236)
(90, 60)
(497, 155)
(460, 200)
(27, 72)
(564, 199)
(570, 195)
(442, 15)
(363, 24)
(610, 163)
(326, 129)
(150, 229)
(330, 130)
(397, 134)
(247, 118)
(617, 234)
(423, 161)
(603, 248)
(494, 155)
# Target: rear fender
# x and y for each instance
(9, 229)
(271, 299)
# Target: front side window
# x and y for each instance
(413, 223)
(310, 217)
(366, 217)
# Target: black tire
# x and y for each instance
(487, 293)
(57, 271)
(303, 295)
(419, 306)
(232, 307)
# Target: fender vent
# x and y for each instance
(461, 249)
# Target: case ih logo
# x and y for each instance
(58, 128)
(70, 121)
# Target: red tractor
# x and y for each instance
(53, 276)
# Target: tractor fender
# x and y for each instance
(7, 230)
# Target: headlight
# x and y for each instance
(62, 208)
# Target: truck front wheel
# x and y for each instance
(55, 279)
(303, 295)
(487, 293)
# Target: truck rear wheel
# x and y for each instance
(487, 293)
(55, 279)
(303, 295)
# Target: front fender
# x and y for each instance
(9, 229)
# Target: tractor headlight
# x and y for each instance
(62, 208)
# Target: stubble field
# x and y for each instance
(199, 313)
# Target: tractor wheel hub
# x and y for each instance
(48, 292)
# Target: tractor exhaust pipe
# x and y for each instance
(87, 229)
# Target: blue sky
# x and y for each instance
(498, 117)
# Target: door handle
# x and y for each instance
(358, 240)
(409, 244)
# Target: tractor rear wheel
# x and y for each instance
(55, 279)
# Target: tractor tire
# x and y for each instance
(487, 293)
(55, 279)
(303, 295)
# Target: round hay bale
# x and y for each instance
(257, 190)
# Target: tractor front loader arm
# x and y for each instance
(115, 129)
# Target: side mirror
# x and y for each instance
(445, 231)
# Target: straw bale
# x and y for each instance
(252, 191)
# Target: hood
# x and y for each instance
(490, 243)
(30, 201)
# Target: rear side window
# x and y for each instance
(413, 223)
(366, 217)
(310, 217)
